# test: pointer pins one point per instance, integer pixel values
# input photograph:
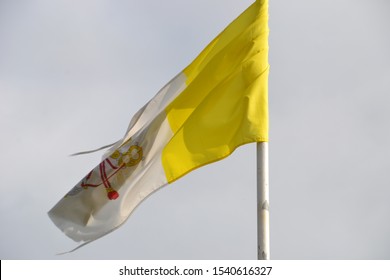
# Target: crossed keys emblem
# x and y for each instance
(102, 174)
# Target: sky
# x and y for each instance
(72, 74)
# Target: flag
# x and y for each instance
(216, 104)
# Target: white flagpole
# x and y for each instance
(263, 252)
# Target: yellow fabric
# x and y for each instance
(225, 103)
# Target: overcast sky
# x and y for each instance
(72, 73)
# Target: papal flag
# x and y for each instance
(216, 104)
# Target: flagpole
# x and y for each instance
(263, 252)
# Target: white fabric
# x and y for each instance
(86, 213)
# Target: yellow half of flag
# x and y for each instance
(217, 103)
